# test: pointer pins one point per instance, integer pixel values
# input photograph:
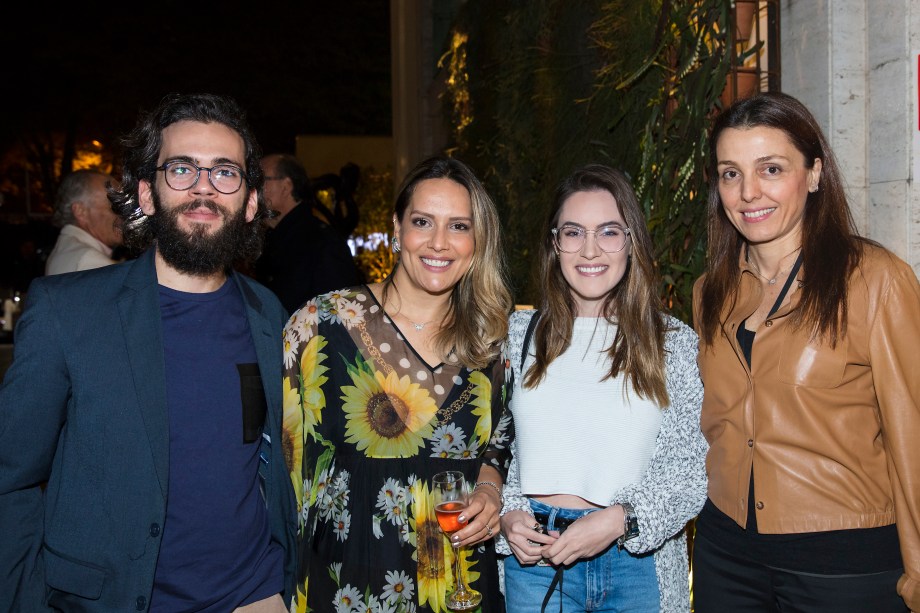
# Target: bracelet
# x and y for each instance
(501, 498)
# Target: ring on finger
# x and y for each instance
(489, 530)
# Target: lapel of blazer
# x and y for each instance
(139, 308)
(267, 341)
(266, 329)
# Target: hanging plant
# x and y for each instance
(689, 63)
(550, 85)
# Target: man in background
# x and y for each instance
(147, 395)
(303, 256)
(90, 229)
(344, 214)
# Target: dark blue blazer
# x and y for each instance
(83, 408)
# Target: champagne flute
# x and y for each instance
(450, 495)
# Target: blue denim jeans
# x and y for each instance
(613, 580)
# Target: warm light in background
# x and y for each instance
(458, 82)
(90, 155)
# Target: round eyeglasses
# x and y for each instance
(226, 178)
(571, 239)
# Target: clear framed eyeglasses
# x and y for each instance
(571, 239)
(226, 178)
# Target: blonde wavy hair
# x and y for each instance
(476, 321)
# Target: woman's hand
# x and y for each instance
(587, 537)
(526, 543)
(480, 517)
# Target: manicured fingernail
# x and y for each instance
(455, 539)
(462, 519)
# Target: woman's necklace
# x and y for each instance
(418, 326)
(779, 272)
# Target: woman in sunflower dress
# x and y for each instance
(389, 383)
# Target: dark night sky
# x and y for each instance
(319, 67)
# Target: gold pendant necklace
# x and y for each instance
(780, 272)
(770, 281)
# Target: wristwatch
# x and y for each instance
(630, 524)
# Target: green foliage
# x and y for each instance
(375, 199)
(374, 196)
(554, 85)
(689, 67)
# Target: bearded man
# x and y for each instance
(141, 456)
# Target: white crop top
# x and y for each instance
(576, 434)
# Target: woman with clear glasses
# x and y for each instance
(605, 395)
(809, 336)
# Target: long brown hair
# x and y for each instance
(633, 304)
(476, 322)
(831, 248)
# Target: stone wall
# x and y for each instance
(855, 69)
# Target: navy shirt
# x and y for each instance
(216, 552)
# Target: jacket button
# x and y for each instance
(768, 323)
(141, 603)
(759, 506)
(750, 442)
(154, 530)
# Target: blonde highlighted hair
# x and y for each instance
(476, 321)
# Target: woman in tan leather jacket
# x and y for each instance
(809, 340)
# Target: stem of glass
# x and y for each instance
(459, 586)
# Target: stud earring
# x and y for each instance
(395, 245)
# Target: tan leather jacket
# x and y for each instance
(833, 435)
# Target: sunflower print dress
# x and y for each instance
(367, 423)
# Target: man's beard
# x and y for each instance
(198, 252)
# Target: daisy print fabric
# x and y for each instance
(367, 423)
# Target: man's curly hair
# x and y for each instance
(141, 150)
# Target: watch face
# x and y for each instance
(631, 522)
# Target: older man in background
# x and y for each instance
(90, 229)
(303, 256)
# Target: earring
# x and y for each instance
(395, 245)
(813, 189)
